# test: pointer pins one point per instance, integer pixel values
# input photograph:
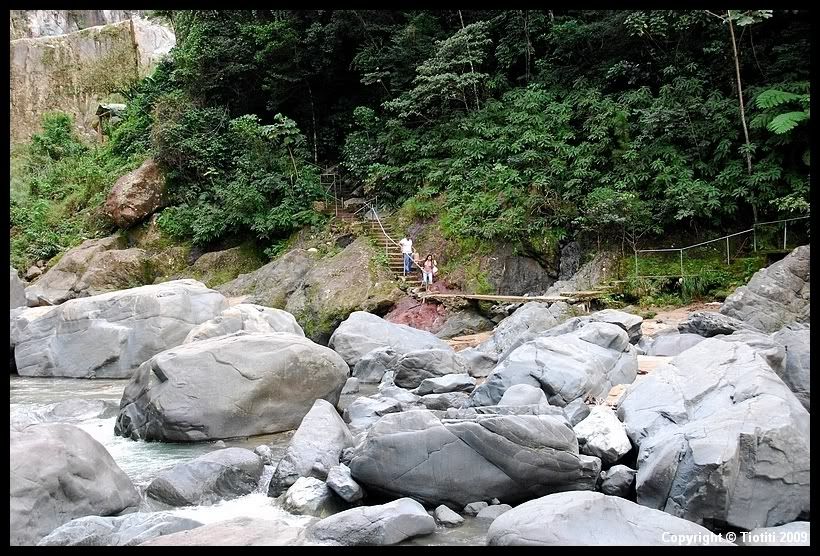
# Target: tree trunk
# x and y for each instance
(742, 110)
(313, 116)
(472, 68)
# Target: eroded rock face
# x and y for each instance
(110, 335)
(591, 519)
(363, 332)
(219, 475)
(136, 195)
(17, 290)
(585, 362)
(57, 473)
(454, 462)
(238, 385)
(775, 296)
(247, 317)
(272, 284)
(314, 448)
(126, 530)
(381, 525)
(795, 338)
(722, 440)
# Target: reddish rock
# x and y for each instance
(429, 316)
(136, 195)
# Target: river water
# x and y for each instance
(143, 461)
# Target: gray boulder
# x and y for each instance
(442, 402)
(576, 411)
(454, 462)
(363, 412)
(446, 517)
(708, 324)
(220, 475)
(474, 507)
(247, 317)
(265, 454)
(585, 362)
(351, 386)
(413, 367)
(340, 481)
(407, 398)
(592, 519)
(127, 530)
(57, 473)
(797, 371)
(446, 383)
(775, 296)
(523, 394)
(66, 411)
(110, 335)
(796, 533)
(311, 496)
(629, 322)
(371, 367)
(464, 323)
(617, 481)
(527, 322)
(381, 525)
(363, 332)
(136, 195)
(17, 290)
(490, 513)
(238, 385)
(669, 342)
(239, 531)
(314, 448)
(602, 435)
(721, 438)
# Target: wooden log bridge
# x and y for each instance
(583, 297)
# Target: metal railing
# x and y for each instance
(726, 238)
(371, 208)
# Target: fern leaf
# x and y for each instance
(786, 122)
(774, 97)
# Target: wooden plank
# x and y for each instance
(506, 298)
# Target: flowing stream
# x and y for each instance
(143, 461)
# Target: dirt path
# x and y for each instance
(671, 317)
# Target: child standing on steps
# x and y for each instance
(428, 268)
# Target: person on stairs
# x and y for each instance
(407, 251)
(428, 269)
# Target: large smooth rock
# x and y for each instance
(454, 462)
(66, 411)
(340, 481)
(463, 323)
(617, 481)
(363, 332)
(57, 473)
(136, 195)
(412, 368)
(314, 448)
(220, 475)
(629, 322)
(272, 284)
(247, 317)
(127, 530)
(238, 385)
(775, 296)
(592, 519)
(17, 290)
(311, 496)
(523, 394)
(381, 525)
(797, 371)
(709, 323)
(446, 383)
(585, 362)
(363, 412)
(669, 342)
(602, 435)
(722, 440)
(110, 335)
(446, 517)
(490, 513)
(527, 322)
(239, 531)
(371, 367)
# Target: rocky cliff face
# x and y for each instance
(73, 72)
(29, 24)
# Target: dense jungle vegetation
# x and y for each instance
(511, 125)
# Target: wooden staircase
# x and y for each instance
(395, 259)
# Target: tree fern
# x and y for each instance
(786, 122)
(774, 97)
